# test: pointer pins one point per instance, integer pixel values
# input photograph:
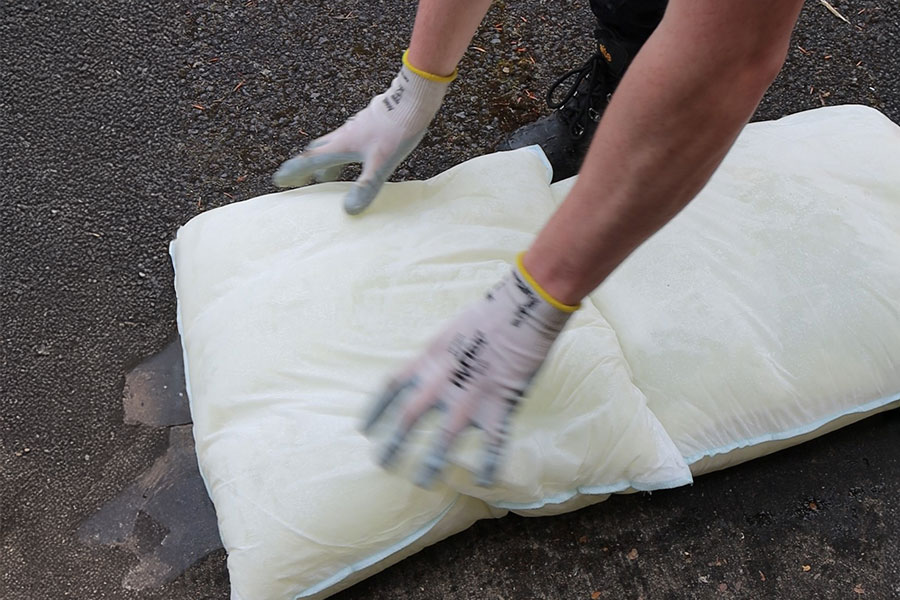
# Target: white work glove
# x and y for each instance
(380, 136)
(474, 372)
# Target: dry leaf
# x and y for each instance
(632, 554)
(595, 595)
(834, 11)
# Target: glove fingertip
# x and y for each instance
(488, 474)
(360, 197)
(425, 480)
(291, 173)
(328, 174)
(374, 415)
(426, 476)
(390, 450)
(484, 480)
(384, 399)
(366, 423)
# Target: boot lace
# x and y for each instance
(577, 106)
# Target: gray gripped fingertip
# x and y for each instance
(434, 465)
(484, 481)
(488, 474)
(289, 174)
(279, 178)
(358, 199)
(366, 423)
(391, 449)
(327, 174)
(374, 414)
(383, 400)
(299, 170)
(378, 407)
(289, 182)
(425, 477)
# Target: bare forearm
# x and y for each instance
(673, 118)
(443, 31)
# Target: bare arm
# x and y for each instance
(680, 106)
(673, 118)
(443, 31)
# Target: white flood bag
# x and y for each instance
(766, 313)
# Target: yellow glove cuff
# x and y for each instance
(427, 75)
(568, 308)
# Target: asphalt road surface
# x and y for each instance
(120, 121)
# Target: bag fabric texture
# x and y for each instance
(767, 312)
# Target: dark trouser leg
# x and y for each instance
(580, 95)
(630, 21)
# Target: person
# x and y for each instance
(686, 94)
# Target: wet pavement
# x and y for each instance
(165, 519)
(121, 121)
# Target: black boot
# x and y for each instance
(566, 133)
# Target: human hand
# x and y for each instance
(475, 373)
(380, 136)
